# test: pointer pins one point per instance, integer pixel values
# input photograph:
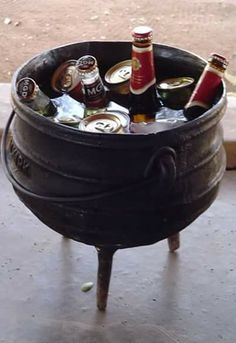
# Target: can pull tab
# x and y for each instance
(124, 73)
(105, 126)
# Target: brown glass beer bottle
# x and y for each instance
(206, 88)
(93, 88)
(145, 101)
(30, 94)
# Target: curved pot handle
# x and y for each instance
(161, 163)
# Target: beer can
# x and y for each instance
(117, 77)
(66, 79)
(106, 122)
(175, 92)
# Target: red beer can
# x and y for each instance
(66, 79)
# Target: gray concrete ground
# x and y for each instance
(155, 296)
(5, 107)
(229, 126)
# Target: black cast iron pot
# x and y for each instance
(109, 189)
(112, 190)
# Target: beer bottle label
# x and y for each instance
(143, 71)
(94, 93)
(206, 88)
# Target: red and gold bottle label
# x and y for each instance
(143, 71)
(206, 88)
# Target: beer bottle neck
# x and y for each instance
(144, 44)
(205, 89)
(143, 70)
(90, 76)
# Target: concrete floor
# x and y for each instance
(155, 296)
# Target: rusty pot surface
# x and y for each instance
(108, 189)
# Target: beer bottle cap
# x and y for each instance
(142, 33)
(86, 63)
(218, 60)
(26, 89)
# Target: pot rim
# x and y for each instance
(206, 120)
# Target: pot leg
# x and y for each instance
(105, 257)
(174, 242)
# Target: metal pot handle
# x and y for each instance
(161, 164)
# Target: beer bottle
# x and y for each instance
(206, 88)
(29, 92)
(93, 88)
(145, 101)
